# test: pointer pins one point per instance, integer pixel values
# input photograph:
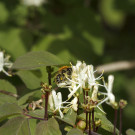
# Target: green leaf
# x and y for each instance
(29, 79)
(97, 43)
(112, 15)
(33, 60)
(37, 113)
(49, 127)
(7, 99)
(43, 74)
(3, 13)
(32, 124)
(17, 46)
(130, 132)
(7, 86)
(105, 123)
(26, 97)
(75, 131)
(19, 15)
(16, 126)
(104, 132)
(56, 43)
(69, 117)
(9, 109)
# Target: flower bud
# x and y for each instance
(81, 124)
(115, 105)
(122, 103)
(67, 128)
(45, 87)
(98, 123)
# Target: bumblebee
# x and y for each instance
(62, 75)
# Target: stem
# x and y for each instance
(31, 117)
(78, 105)
(120, 128)
(9, 93)
(47, 93)
(89, 123)
(46, 106)
(49, 75)
(86, 120)
(96, 129)
(93, 122)
(115, 122)
(84, 96)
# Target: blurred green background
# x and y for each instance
(95, 31)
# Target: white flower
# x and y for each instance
(110, 98)
(51, 102)
(92, 81)
(74, 104)
(4, 62)
(55, 102)
(95, 93)
(33, 2)
(79, 78)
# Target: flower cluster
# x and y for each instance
(83, 79)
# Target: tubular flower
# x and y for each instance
(110, 98)
(56, 104)
(95, 93)
(78, 79)
(73, 104)
(92, 81)
(4, 62)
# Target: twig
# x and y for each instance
(89, 123)
(120, 128)
(86, 120)
(47, 93)
(49, 75)
(46, 106)
(84, 96)
(78, 105)
(31, 117)
(8, 93)
(115, 122)
(116, 66)
(93, 122)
